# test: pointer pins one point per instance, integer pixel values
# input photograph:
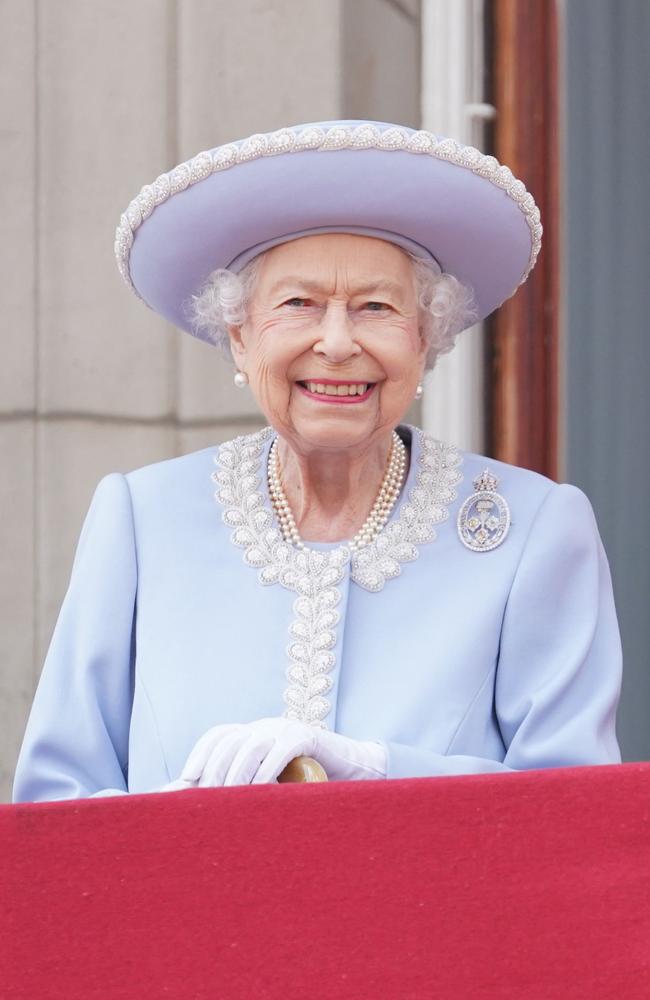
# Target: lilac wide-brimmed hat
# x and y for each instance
(434, 197)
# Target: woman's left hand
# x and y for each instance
(257, 752)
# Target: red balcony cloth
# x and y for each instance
(534, 886)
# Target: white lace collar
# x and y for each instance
(241, 479)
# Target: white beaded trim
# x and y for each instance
(315, 137)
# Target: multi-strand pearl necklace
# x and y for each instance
(389, 491)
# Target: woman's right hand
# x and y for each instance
(232, 754)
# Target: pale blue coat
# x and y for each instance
(458, 661)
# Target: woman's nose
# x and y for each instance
(336, 336)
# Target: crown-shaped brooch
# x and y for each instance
(484, 519)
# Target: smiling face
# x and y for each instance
(331, 344)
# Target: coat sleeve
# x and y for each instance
(76, 742)
(558, 674)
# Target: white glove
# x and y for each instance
(256, 752)
(345, 759)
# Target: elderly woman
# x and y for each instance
(340, 585)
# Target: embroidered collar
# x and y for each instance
(239, 477)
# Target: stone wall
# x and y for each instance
(95, 100)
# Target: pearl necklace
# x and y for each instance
(389, 491)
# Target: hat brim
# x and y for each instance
(477, 221)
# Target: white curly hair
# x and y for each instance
(445, 305)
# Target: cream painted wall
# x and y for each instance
(95, 100)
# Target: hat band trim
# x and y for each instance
(403, 242)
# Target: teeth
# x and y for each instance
(357, 389)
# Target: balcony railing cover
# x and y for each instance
(531, 885)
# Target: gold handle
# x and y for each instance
(303, 769)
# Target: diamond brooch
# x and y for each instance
(484, 519)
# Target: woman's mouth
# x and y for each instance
(335, 391)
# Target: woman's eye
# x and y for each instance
(376, 306)
(296, 301)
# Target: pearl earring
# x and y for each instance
(419, 391)
(240, 379)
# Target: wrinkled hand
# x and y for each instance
(256, 753)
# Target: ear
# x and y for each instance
(237, 348)
(423, 352)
